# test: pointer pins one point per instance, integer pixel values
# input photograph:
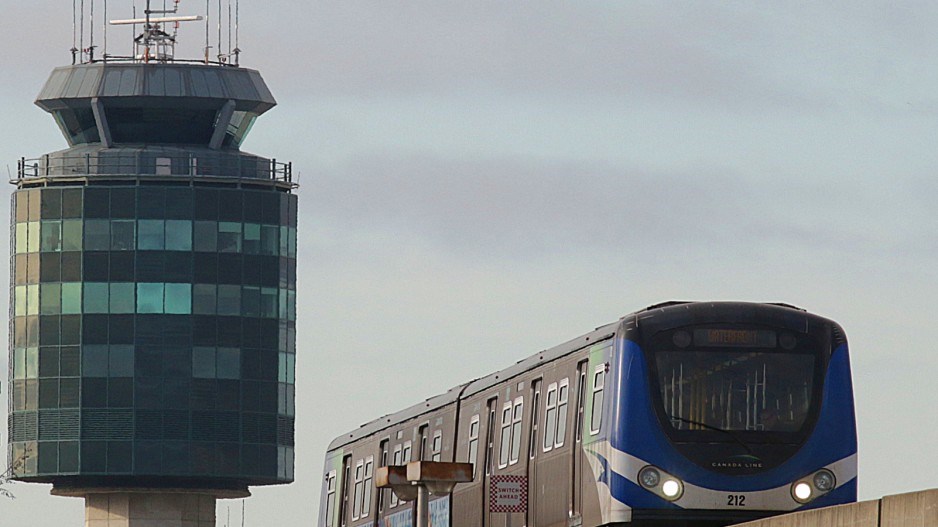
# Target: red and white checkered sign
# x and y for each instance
(508, 494)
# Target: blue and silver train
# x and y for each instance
(684, 413)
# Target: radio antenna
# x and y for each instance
(220, 54)
(105, 31)
(91, 33)
(229, 27)
(237, 49)
(74, 50)
(81, 31)
(157, 44)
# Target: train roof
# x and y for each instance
(792, 314)
(475, 386)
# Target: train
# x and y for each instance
(696, 414)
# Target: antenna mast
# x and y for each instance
(154, 43)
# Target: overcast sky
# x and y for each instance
(482, 180)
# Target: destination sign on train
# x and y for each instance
(755, 338)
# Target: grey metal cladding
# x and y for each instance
(72, 85)
(259, 84)
(53, 86)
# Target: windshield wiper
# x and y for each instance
(711, 427)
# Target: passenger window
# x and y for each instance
(562, 397)
(473, 442)
(357, 497)
(437, 446)
(330, 499)
(397, 461)
(505, 437)
(516, 419)
(532, 439)
(367, 484)
(550, 417)
(599, 379)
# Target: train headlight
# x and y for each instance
(802, 492)
(814, 486)
(661, 483)
(649, 477)
(671, 489)
(824, 480)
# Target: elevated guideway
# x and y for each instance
(915, 509)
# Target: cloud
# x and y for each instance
(595, 50)
(517, 207)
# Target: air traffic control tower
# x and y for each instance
(152, 329)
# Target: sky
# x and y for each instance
(484, 180)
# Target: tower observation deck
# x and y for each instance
(153, 287)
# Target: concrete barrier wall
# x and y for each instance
(916, 509)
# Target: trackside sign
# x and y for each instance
(508, 494)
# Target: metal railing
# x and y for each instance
(146, 165)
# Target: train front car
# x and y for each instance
(727, 412)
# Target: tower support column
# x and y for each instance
(149, 509)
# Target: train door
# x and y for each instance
(344, 512)
(576, 492)
(490, 427)
(530, 518)
(467, 499)
(382, 492)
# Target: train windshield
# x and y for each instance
(736, 390)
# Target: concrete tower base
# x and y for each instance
(149, 509)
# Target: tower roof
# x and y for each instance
(155, 83)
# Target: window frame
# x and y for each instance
(563, 400)
(504, 441)
(358, 493)
(517, 429)
(550, 410)
(397, 457)
(533, 432)
(366, 486)
(436, 446)
(472, 451)
(599, 373)
(330, 498)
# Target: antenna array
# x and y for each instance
(156, 39)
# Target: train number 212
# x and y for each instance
(736, 500)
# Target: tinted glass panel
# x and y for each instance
(229, 237)
(97, 235)
(123, 201)
(121, 361)
(178, 235)
(94, 361)
(71, 203)
(51, 236)
(206, 236)
(178, 299)
(203, 299)
(71, 235)
(149, 298)
(122, 235)
(95, 266)
(96, 297)
(203, 362)
(151, 235)
(229, 363)
(122, 297)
